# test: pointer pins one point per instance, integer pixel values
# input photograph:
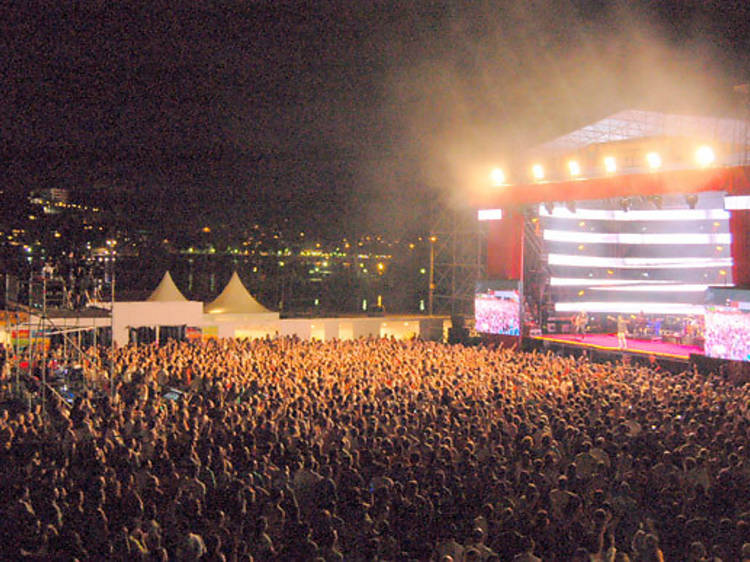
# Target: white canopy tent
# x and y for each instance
(236, 313)
(166, 306)
(166, 291)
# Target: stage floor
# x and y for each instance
(608, 342)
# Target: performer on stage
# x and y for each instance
(622, 331)
(580, 322)
(641, 325)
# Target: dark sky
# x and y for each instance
(341, 116)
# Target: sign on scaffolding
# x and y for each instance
(36, 339)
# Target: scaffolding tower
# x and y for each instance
(458, 248)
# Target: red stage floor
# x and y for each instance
(608, 342)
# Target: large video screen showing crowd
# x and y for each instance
(497, 310)
(727, 320)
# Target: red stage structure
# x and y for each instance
(505, 237)
(628, 140)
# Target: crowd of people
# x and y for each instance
(377, 449)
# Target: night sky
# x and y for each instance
(339, 116)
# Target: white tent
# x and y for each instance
(235, 313)
(236, 299)
(166, 291)
(166, 306)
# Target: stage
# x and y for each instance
(608, 342)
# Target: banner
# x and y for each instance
(210, 333)
(193, 333)
(39, 338)
(20, 338)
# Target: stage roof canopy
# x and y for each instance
(629, 153)
(633, 124)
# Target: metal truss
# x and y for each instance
(636, 124)
(459, 258)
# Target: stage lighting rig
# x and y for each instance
(531, 212)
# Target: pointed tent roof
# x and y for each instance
(235, 299)
(166, 291)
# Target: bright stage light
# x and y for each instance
(677, 238)
(577, 260)
(657, 288)
(737, 202)
(705, 156)
(497, 176)
(654, 160)
(574, 168)
(489, 214)
(648, 215)
(537, 172)
(610, 164)
(631, 307)
(594, 283)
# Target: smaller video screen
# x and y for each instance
(727, 318)
(497, 308)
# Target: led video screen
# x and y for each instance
(497, 308)
(632, 255)
(727, 318)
